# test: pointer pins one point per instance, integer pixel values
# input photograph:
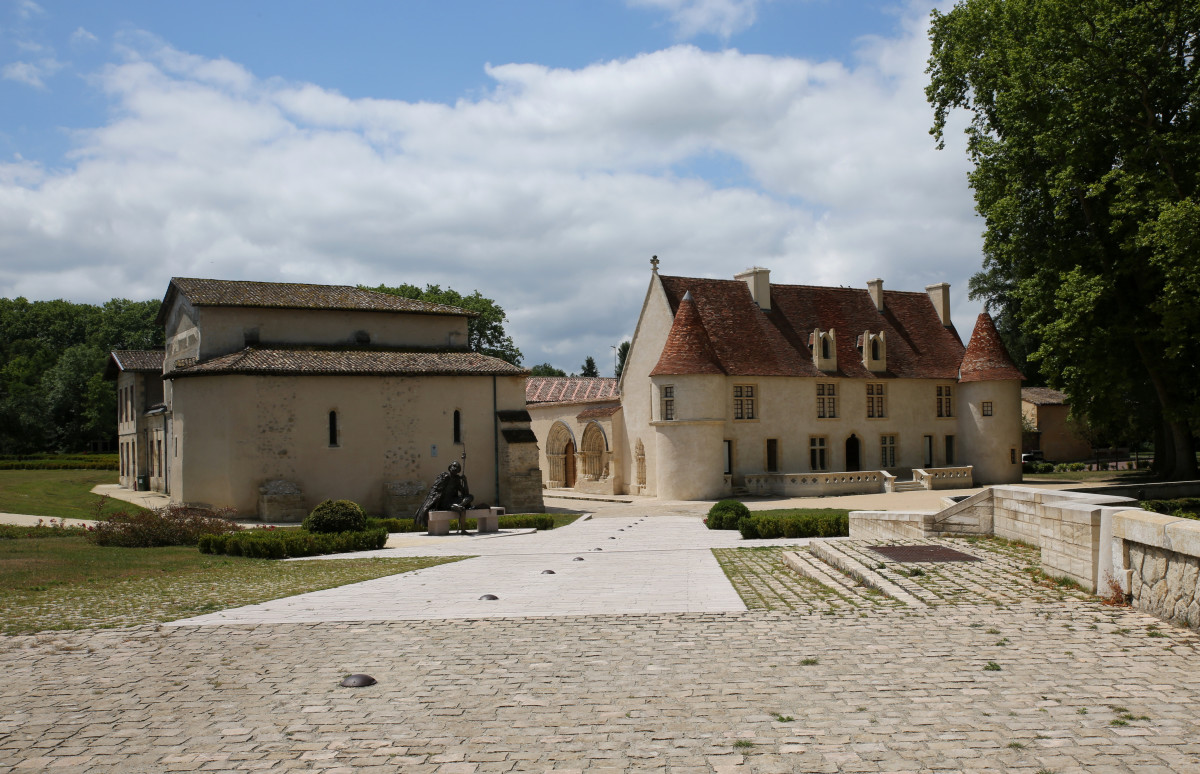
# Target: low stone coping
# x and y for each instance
(1169, 533)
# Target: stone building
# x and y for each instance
(747, 386)
(286, 393)
(1048, 412)
(578, 417)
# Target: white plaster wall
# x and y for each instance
(235, 432)
(995, 441)
(225, 328)
(654, 323)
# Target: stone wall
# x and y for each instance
(945, 478)
(520, 476)
(1160, 556)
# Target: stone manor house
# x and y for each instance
(270, 397)
(747, 386)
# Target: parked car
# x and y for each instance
(1033, 456)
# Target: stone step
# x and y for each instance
(908, 486)
(829, 552)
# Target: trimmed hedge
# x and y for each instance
(726, 514)
(57, 465)
(541, 521)
(830, 523)
(283, 544)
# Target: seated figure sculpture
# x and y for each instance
(448, 493)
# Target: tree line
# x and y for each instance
(53, 396)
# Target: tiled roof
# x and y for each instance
(349, 362)
(599, 412)
(986, 359)
(138, 359)
(687, 350)
(569, 389)
(281, 295)
(1044, 396)
(746, 341)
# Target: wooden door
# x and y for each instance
(569, 465)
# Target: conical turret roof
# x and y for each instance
(688, 350)
(986, 359)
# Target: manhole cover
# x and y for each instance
(923, 554)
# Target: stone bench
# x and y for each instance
(486, 520)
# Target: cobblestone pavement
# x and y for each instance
(1056, 685)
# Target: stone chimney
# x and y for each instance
(875, 288)
(939, 294)
(759, 280)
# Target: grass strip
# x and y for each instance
(59, 494)
(50, 584)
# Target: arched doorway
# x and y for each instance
(569, 465)
(853, 459)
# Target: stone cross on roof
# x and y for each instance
(654, 263)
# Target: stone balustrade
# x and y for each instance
(961, 477)
(816, 484)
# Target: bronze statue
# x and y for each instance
(448, 493)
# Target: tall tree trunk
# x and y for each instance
(1180, 464)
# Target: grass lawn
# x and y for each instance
(61, 494)
(68, 583)
(1094, 476)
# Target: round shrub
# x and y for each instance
(726, 514)
(336, 516)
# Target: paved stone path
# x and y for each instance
(1032, 686)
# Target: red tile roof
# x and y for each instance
(569, 389)
(746, 341)
(138, 359)
(986, 359)
(1044, 396)
(353, 362)
(599, 412)
(283, 295)
(687, 350)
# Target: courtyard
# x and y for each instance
(655, 644)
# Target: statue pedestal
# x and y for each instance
(486, 520)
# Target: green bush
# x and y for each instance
(336, 516)
(802, 525)
(173, 525)
(1183, 507)
(726, 514)
(282, 544)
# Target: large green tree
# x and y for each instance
(1083, 134)
(485, 333)
(53, 396)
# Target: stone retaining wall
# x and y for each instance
(1096, 540)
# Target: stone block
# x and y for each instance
(281, 501)
(1183, 536)
(439, 522)
(1143, 527)
(401, 499)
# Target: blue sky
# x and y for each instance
(536, 151)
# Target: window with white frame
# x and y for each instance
(668, 403)
(945, 400)
(826, 400)
(744, 402)
(816, 453)
(875, 401)
(887, 451)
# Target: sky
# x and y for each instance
(538, 151)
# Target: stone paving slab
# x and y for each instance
(901, 691)
(630, 566)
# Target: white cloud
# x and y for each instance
(723, 18)
(31, 73)
(82, 37)
(549, 193)
(27, 9)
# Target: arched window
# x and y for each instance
(457, 426)
(333, 428)
(824, 347)
(874, 348)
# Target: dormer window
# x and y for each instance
(873, 347)
(824, 348)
